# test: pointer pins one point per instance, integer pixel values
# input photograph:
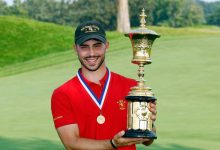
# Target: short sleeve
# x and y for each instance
(61, 109)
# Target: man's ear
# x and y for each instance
(74, 47)
(107, 45)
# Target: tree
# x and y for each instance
(99, 10)
(178, 13)
(3, 8)
(193, 14)
(17, 9)
(170, 14)
(211, 12)
(214, 17)
(123, 21)
(135, 7)
(114, 14)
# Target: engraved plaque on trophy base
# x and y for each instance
(139, 121)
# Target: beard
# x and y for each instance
(92, 68)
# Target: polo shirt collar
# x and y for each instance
(98, 101)
(102, 81)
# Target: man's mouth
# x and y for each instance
(92, 60)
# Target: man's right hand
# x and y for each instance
(119, 140)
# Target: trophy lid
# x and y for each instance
(142, 30)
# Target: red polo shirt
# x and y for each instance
(72, 103)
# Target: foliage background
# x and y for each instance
(174, 13)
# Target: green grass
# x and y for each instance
(184, 76)
(27, 44)
(24, 39)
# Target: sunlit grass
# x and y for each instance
(27, 44)
(23, 39)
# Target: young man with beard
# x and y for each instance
(90, 110)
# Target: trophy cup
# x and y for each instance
(139, 116)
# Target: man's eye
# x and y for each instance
(98, 45)
(83, 47)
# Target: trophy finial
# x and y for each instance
(142, 18)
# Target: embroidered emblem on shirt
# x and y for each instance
(121, 104)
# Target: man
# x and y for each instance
(90, 110)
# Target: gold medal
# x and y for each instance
(100, 119)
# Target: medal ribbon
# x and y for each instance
(99, 102)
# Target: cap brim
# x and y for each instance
(88, 37)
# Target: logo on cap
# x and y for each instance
(90, 28)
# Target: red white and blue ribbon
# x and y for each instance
(98, 101)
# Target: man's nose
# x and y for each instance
(91, 51)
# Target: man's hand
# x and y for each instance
(153, 110)
(119, 141)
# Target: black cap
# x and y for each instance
(89, 30)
